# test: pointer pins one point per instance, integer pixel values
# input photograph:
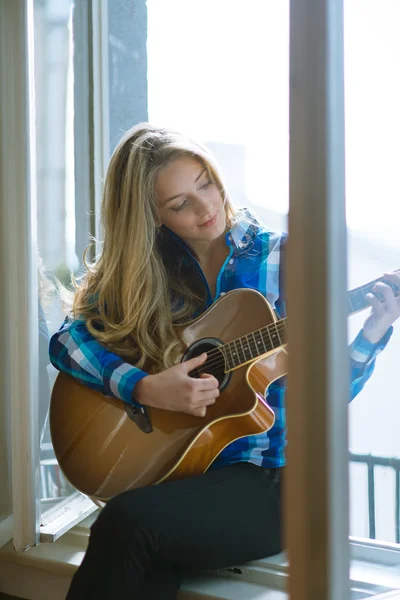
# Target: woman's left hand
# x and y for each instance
(384, 311)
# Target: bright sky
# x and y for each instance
(218, 70)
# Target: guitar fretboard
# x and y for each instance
(273, 336)
(252, 345)
(356, 297)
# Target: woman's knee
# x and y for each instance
(123, 514)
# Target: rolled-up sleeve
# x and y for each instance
(362, 358)
(76, 352)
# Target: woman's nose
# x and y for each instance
(202, 206)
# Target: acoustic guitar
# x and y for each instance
(104, 447)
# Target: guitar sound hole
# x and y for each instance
(215, 363)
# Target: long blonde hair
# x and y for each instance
(140, 285)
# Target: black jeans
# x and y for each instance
(145, 541)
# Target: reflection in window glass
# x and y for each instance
(55, 201)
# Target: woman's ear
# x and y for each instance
(156, 218)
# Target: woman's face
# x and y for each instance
(190, 203)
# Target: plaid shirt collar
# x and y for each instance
(241, 236)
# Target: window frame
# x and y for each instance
(19, 186)
(91, 157)
(18, 148)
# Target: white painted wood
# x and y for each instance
(65, 515)
(101, 111)
(316, 498)
(91, 117)
(19, 188)
(83, 151)
(375, 552)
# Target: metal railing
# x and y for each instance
(54, 486)
(379, 461)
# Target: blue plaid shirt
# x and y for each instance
(255, 261)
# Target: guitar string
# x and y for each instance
(363, 289)
(279, 329)
(268, 345)
(282, 322)
(220, 356)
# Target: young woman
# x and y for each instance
(173, 244)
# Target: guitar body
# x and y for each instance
(103, 453)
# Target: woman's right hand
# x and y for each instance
(174, 389)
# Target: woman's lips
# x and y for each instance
(210, 222)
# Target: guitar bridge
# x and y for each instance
(140, 416)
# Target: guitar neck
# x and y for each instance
(250, 346)
(273, 336)
(356, 298)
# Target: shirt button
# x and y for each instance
(231, 261)
(222, 294)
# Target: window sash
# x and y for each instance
(91, 122)
(19, 197)
(91, 154)
(19, 187)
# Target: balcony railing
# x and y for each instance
(379, 461)
(54, 486)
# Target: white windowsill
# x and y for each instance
(260, 580)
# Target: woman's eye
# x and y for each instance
(206, 185)
(178, 208)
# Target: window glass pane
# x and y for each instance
(221, 74)
(372, 96)
(55, 201)
(234, 96)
